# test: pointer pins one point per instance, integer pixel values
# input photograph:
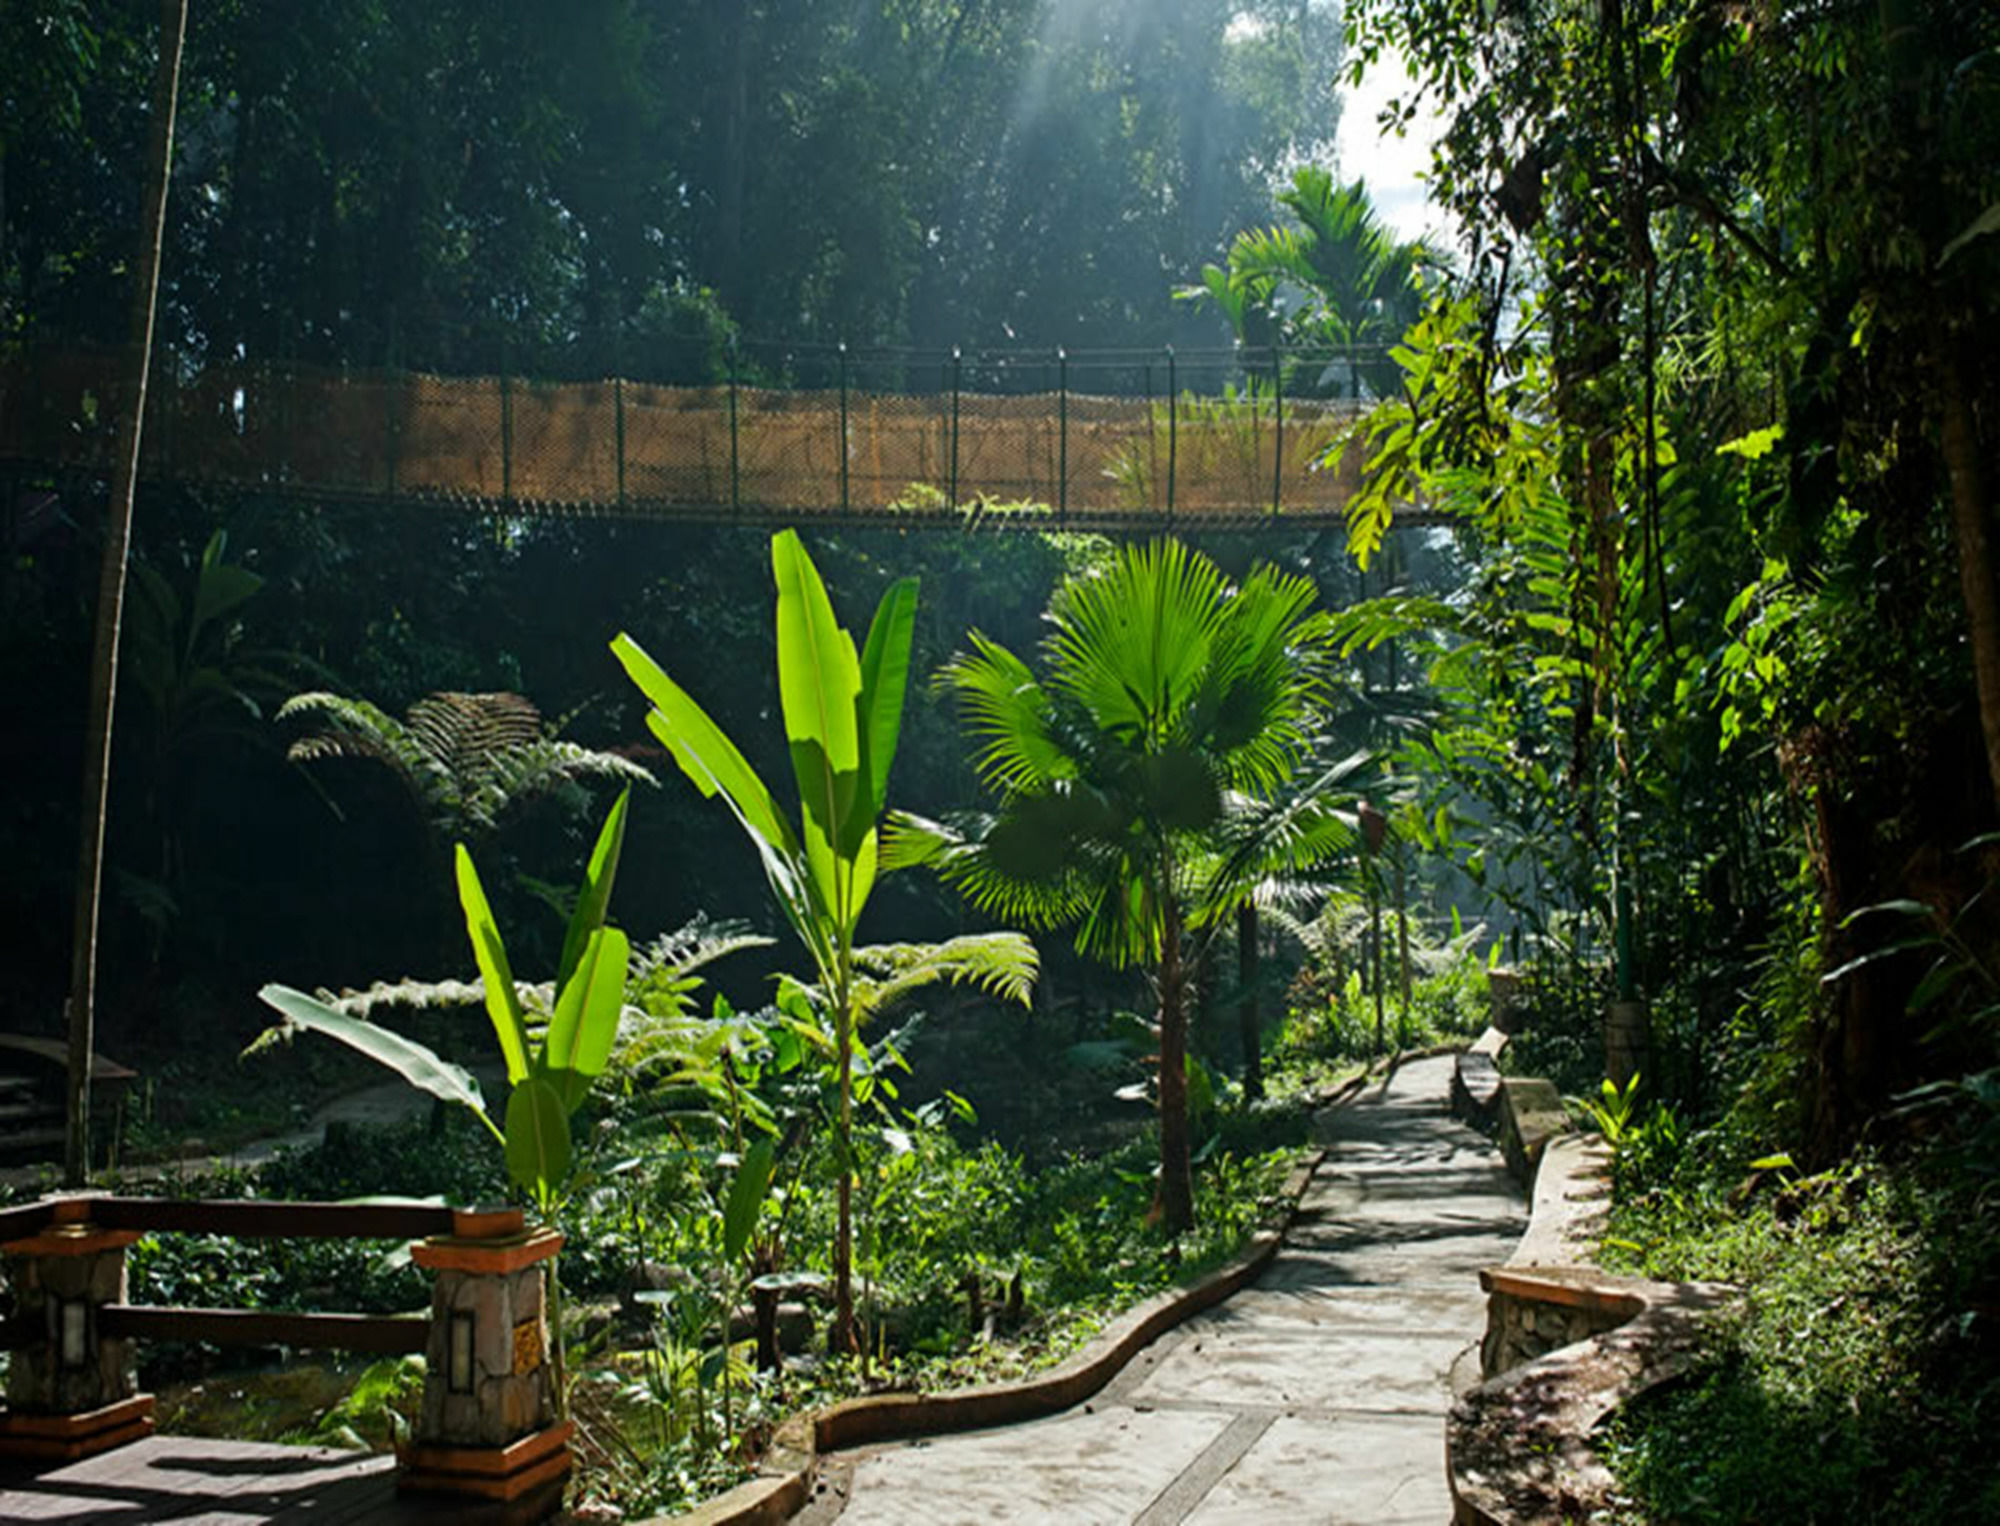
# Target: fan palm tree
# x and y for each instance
(1142, 782)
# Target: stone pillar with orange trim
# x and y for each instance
(70, 1387)
(487, 1430)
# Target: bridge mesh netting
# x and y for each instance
(871, 447)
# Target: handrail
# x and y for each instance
(378, 1334)
(255, 1219)
(252, 1219)
(25, 1219)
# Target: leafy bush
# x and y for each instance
(1861, 1378)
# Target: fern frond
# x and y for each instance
(466, 757)
(698, 941)
(1003, 964)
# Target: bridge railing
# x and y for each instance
(487, 1426)
(1215, 435)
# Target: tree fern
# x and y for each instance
(466, 759)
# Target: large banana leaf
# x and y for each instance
(410, 1060)
(819, 689)
(537, 1137)
(702, 749)
(585, 1022)
(746, 1195)
(885, 673)
(595, 895)
(503, 1002)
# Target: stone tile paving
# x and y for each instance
(1318, 1395)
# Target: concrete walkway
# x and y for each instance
(1316, 1395)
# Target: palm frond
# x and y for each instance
(1010, 717)
(1131, 640)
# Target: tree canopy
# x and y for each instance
(595, 186)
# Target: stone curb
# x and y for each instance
(785, 1475)
(1521, 1448)
(1566, 1344)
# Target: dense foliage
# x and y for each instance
(619, 183)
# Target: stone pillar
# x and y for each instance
(487, 1430)
(70, 1388)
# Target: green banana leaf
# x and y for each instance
(412, 1061)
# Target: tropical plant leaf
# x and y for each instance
(703, 750)
(503, 1002)
(1004, 964)
(594, 896)
(417, 1065)
(537, 1137)
(885, 674)
(819, 690)
(747, 1189)
(1011, 717)
(584, 1026)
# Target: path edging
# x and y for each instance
(784, 1479)
(785, 1476)
(1566, 1344)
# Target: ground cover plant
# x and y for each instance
(1859, 1379)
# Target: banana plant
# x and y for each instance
(843, 715)
(547, 1080)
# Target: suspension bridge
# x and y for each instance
(1088, 441)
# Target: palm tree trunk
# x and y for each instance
(1176, 1174)
(1248, 1020)
(82, 1013)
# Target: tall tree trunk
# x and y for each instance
(1176, 1176)
(1249, 1022)
(1403, 931)
(111, 597)
(726, 264)
(1959, 436)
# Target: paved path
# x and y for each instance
(1316, 1395)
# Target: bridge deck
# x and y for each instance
(190, 1478)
